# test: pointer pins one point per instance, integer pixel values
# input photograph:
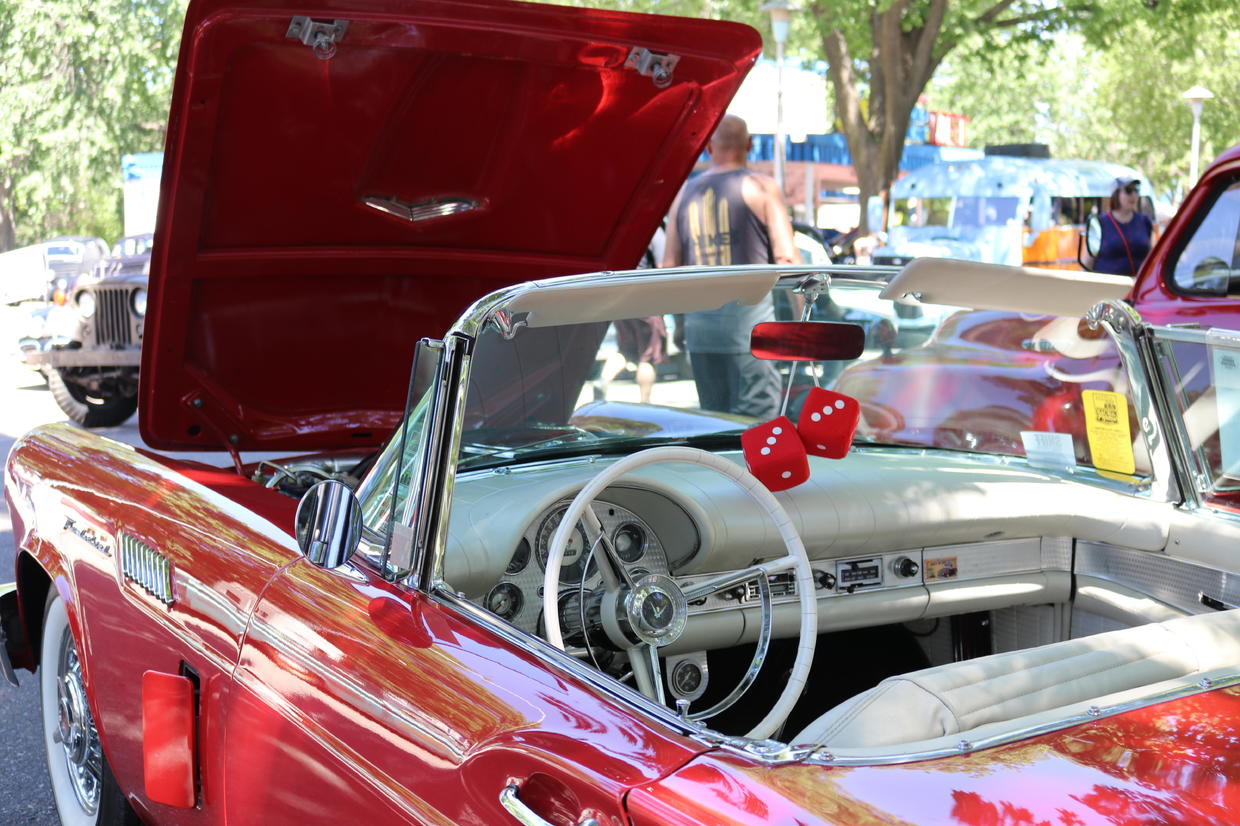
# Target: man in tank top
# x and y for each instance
(730, 215)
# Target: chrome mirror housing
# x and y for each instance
(329, 523)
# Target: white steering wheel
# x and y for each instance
(645, 615)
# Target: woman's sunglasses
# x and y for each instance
(1131, 189)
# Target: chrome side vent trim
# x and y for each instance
(145, 567)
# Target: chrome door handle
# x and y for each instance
(1214, 602)
(524, 814)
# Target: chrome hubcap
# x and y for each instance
(75, 730)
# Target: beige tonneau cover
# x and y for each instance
(1013, 289)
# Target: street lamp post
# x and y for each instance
(1196, 96)
(781, 13)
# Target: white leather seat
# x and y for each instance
(958, 697)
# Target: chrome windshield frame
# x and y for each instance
(1126, 329)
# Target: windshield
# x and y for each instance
(961, 211)
(929, 376)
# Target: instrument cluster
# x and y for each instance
(518, 596)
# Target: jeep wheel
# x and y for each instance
(107, 409)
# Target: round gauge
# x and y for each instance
(520, 558)
(570, 569)
(630, 542)
(686, 680)
(505, 600)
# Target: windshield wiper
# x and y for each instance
(570, 446)
(479, 452)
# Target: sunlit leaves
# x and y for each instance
(81, 83)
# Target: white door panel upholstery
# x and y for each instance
(958, 698)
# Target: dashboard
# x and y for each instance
(892, 535)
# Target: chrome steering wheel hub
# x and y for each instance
(655, 611)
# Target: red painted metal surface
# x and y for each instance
(345, 693)
(169, 755)
(1153, 295)
(1176, 762)
(76, 493)
(383, 699)
(283, 309)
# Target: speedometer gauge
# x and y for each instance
(570, 570)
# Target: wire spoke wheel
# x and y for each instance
(85, 792)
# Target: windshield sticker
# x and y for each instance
(1048, 450)
(1106, 425)
(1226, 363)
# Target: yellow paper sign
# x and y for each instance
(1106, 426)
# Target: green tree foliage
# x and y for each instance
(1118, 101)
(1137, 113)
(882, 55)
(81, 83)
(888, 50)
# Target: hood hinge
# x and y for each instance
(320, 35)
(657, 67)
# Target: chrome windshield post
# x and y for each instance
(1125, 327)
(416, 533)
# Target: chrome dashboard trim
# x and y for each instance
(1175, 582)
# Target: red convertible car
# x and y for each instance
(473, 593)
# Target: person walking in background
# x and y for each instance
(730, 215)
(1126, 233)
(641, 345)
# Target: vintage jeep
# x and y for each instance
(91, 343)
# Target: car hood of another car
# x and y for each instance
(340, 180)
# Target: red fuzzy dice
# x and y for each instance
(827, 423)
(774, 453)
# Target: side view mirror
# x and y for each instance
(807, 341)
(329, 523)
(1093, 235)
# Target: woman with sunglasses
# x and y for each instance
(1126, 233)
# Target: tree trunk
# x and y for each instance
(900, 66)
(8, 232)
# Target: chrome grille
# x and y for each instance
(147, 568)
(112, 316)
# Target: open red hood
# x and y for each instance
(289, 283)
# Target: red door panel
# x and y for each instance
(354, 694)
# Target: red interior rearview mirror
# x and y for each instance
(807, 340)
